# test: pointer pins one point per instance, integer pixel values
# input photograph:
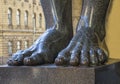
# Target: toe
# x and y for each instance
(28, 61)
(61, 60)
(10, 62)
(75, 55)
(35, 59)
(14, 63)
(75, 59)
(93, 57)
(84, 58)
(16, 60)
(63, 57)
(102, 57)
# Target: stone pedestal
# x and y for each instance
(51, 74)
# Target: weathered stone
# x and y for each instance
(88, 46)
(51, 74)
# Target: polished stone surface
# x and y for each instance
(51, 74)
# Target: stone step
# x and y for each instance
(51, 74)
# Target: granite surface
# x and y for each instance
(51, 74)
(47, 13)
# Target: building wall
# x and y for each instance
(76, 10)
(113, 29)
(14, 32)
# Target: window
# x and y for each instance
(34, 1)
(40, 20)
(26, 0)
(9, 16)
(34, 21)
(26, 18)
(18, 17)
(10, 51)
(26, 44)
(18, 45)
(5, 1)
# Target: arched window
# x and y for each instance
(9, 16)
(26, 44)
(18, 45)
(26, 18)
(40, 20)
(18, 17)
(34, 20)
(10, 49)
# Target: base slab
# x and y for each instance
(51, 74)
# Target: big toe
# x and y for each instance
(14, 63)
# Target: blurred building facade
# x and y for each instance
(76, 10)
(21, 22)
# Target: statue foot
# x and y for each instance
(47, 47)
(84, 49)
(51, 43)
(18, 57)
(44, 50)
